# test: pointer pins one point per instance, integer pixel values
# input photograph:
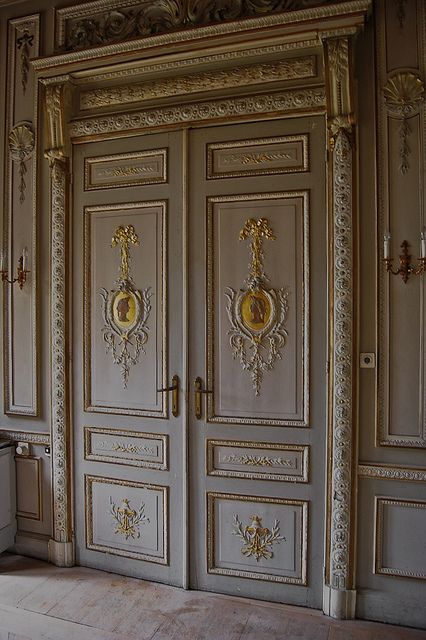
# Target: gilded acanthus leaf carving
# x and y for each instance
(153, 17)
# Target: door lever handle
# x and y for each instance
(175, 394)
(198, 384)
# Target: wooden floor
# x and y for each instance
(42, 602)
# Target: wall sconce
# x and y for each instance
(406, 268)
(21, 272)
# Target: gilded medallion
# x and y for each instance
(257, 313)
(125, 310)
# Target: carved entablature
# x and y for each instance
(101, 23)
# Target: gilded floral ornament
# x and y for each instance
(125, 310)
(257, 313)
(127, 519)
(21, 147)
(154, 17)
(257, 540)
(403, 95)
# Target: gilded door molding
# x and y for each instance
(342, 336)
(57, 154)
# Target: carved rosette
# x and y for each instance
(403, 95)
(343, 360)
(21, 147)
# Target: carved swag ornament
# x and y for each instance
(155, 17)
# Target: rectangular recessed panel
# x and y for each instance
(28, 487)
(125, 321)
(125, 447)
(257, 537)
(286, 154)
(400, 540)
(125, 169)
(258, 338)
(257, 460)
(127, 518)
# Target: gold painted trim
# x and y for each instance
(89, 480)
(162, 465)
(15, 27)
(241, 144)
(276, 104)
(379, 503)
(305, 405)
(34, 437)
(253, 475)
(285, 70)
(162, 316)
(187, 61)
(211, 538)
(38, 516)
(391, 472)
(136, 155)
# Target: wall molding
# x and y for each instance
(391, 472)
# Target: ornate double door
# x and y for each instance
(199, 357)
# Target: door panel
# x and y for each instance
(128, 462)
(258, 349)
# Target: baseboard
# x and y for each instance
(33, 545)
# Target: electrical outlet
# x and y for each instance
(367, 360)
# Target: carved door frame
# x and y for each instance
(335, 100)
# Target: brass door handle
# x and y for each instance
(175, 394)
(198, 384)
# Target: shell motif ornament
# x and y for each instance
(403, 95)
(21, 147)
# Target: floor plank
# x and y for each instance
(41, 602)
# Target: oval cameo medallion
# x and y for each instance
(255, 310)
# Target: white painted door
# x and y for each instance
(257, 332)
(128, 336)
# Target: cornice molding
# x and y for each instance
(283, 102)
(317, 20)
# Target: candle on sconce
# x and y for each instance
(24, 259)
(386, 245)
(423, 243)
(1, 261)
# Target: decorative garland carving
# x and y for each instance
(342, 376)
(125, 310)
(282, 102)
(257, 314)
(21, 147)
(403, 95)
(24, 43)
(183, 85)
(258, 541)
(154, 18)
